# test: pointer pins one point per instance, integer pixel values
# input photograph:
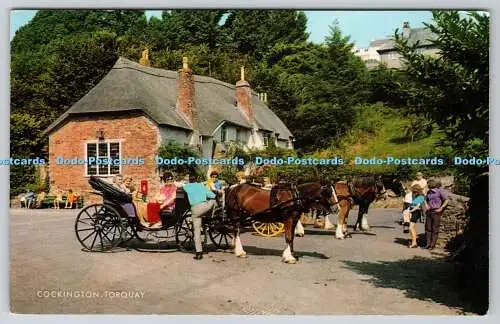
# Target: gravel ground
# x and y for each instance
(370, 273)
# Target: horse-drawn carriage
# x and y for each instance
(104, 226)
(101, 227)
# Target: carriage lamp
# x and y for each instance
(100, 133)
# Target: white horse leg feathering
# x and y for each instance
(287, 255)
(299, 229)
(364, 223)
(238, 249)
(328, 224)
(339, 232)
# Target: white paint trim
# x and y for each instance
(108, 142)
(218, 127)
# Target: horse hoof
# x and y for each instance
(299, 235)
(339, 238)
(242, 255)
(291, 261)
(348, 236)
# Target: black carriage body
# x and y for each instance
(119, 211)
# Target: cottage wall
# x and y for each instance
(177, 135)
(138, 135)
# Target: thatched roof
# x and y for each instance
(130, 86)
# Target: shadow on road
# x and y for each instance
(405, 241)
(420, 278)
(254, 250)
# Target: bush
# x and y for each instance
(172, 149)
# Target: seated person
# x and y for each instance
(118, 182)
(70, 199)
(40, 198)
(215, 185)
(141, 207)
(58, 199)
(167, 192)
(22, 200)
(30, 199)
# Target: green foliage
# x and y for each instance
(254, 32)
(172, 150)
(388, 86)
(331, 103)
(453, 88)
(417, 127)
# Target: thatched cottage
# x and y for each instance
(135, 108)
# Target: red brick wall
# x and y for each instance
(244, 98)
(185, 98)
(139, 138)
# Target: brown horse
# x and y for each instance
(361, 191)
(246, 203)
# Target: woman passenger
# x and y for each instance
(167, 192)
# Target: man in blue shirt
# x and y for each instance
(198, 196)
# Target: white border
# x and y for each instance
(490, 5)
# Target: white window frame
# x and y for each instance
(223, 134)
(108, 142)
(266, 137)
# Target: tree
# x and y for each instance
(255, 32)
(192, 27)
(453, 88)
(48, 25)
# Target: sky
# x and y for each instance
(362, 26)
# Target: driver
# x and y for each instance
(215, 185)
(199, 198)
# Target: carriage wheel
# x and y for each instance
(155, 236)
(184, 234)
(220, 233)
(128, 232)
(99, 228)
(269, 229)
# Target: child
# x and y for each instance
(58, 198)
(406, 204)
(70, 199)
(436, 201)
(415, 208)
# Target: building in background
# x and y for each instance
(385, 49)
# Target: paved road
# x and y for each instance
(367, 274)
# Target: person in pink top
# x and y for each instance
(167, 192)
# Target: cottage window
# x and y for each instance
(103, 150)
(266, 138)
(223, 134)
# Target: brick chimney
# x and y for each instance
(406, 29)
(185, 93)
(244, 97)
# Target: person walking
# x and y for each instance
(422, 182)
(436, 201)
(418, 200)
(201, 201)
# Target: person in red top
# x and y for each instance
(167, 192)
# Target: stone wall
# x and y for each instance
(453, 220)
